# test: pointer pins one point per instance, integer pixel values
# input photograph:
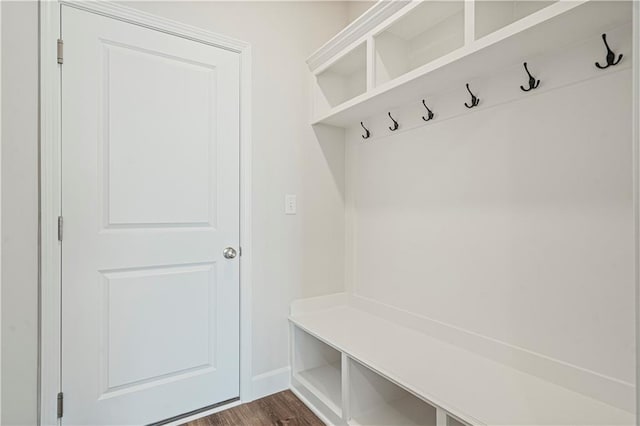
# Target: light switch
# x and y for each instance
(290, 204)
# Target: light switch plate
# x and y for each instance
(290, 204)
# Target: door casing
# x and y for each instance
(50, 373)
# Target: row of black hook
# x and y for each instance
(533, 84)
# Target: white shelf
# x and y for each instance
(326, 382)
(550, 29)
(470, 387)
(344, 79)
(427, 32)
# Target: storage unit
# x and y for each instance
(397, 71)
(398, 374)
(487, 185)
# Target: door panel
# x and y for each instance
(143, 87)
(150, 178)
(136, 356)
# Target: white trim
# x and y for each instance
(271, 382)
(0, 213)
(158, 23)
(246, 230)
(50, 96)
(49, 210)
(636, 182)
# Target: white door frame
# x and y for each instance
(0, 213)
(50, 186)
(635, 75)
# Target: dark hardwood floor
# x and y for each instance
(280, 409)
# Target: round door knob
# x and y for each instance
(229, 253)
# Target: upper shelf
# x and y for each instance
(346, 78)
(427, 32)
(433, 45)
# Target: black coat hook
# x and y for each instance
(611, 57)
(533, 83)
(395, 124)
(367, 135)
(474, 100)
(429, 112)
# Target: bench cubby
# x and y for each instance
(374, 400)
(317, 366)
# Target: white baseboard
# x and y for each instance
(270, 382)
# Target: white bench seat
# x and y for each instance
(472, 388)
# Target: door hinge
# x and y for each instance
(60, 51)
(60, 223)
(60, 404)
(240, 251)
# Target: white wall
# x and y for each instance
(513, 221)
(19, 212)
(294, 256)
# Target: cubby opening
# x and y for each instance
(493, 15)
(427, 32)
(374, 400)
(344, 79)
(318, 367)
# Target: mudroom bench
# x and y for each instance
(355, 367)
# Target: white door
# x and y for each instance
(150, 200)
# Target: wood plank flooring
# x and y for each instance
(280, 409)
